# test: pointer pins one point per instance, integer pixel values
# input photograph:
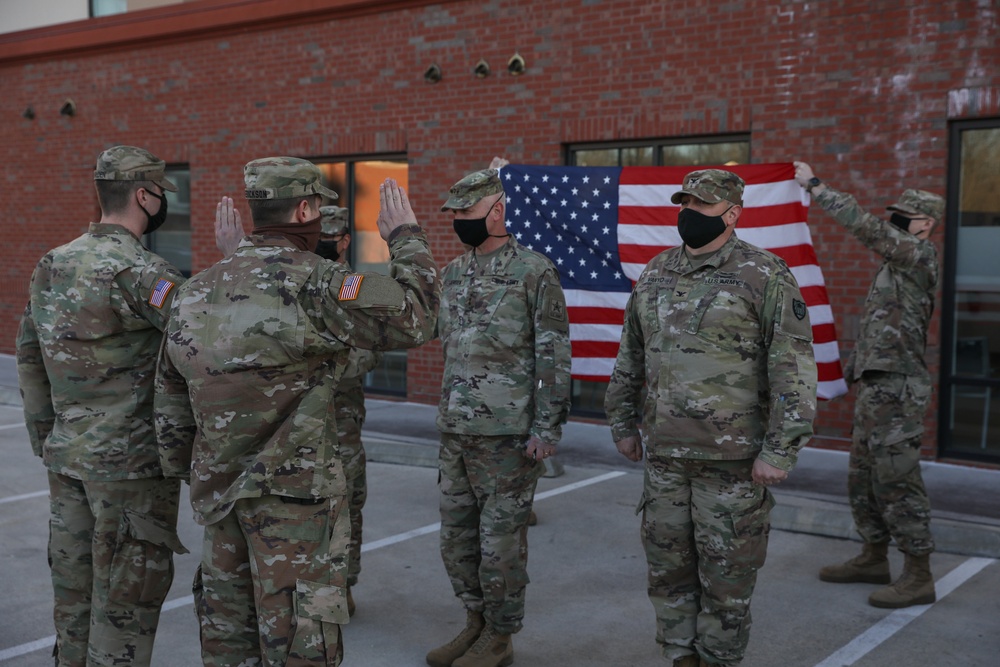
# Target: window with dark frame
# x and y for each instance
(588, 397)
(969, 415)
(172, 241)
(356, 180)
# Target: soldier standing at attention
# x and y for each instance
(349, 397)
(885, 488)
(718, 332)
(504, 399)
(86, 354)
(254, 350)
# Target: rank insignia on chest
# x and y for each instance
(799, 308)
(160, 292)
(350, 288)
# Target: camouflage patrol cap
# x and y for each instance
(284, 178)
(711, 186)
(334, 220)
(468, 191)
(129, 163)
(920, 202)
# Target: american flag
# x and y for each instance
(160, 292)
(601, 225)
(349, 288)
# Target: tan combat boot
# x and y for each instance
(687, 661)
(490, 650)
(871, 567)
(444, 656)
(351, 608)
(914, 586)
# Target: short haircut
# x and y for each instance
(268, 212)
(114, 196)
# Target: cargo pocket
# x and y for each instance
(320, 610)
(751, 528)
(142, 567)
(897, 459)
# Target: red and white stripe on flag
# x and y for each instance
(774, 217)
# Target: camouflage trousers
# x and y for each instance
(884, 484)
(352, 453)
(704, 528)
(111, 547)
(487, 488)
(270, 587)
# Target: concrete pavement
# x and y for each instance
(586, 605)
(965, 501)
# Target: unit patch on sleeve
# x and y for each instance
(160, 292)
(350, 288)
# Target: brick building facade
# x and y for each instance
(865, 90)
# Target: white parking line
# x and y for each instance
(899, 619)
(23, 496)
(47, 642)
(7, 426)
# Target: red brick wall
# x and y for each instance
(859, 88)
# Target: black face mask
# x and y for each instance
(697, 229)
(328, 250)
(900, 221)
(154, 222)
(472, 232)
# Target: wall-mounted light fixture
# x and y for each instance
(29, 113)
(432, 74)
(68, 108)
(516, 66)
(482, 69)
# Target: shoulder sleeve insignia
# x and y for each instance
(799, 308)
(350, 288)
(160, 292)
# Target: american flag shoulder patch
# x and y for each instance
(160, 292)
(349, 290)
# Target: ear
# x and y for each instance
(734, 214)
(302, 212)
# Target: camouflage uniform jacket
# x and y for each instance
(725, 352)
(253, 351)
(900, 300)
(86, 354)
(349, 397)
(505, 334)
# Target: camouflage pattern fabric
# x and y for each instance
(885, 487)
(287, 605)
(86, 354)
(335, 220)
(725, 352)
(131, 163)
(473, 187)
(111, 547)
(505, 334)
(86, 351)
(703, 521)
(254, 350)
(284, 178)
(349, 401)
(487, 488)
(711, 186)
(900, 301)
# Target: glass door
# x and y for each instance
(970, 365)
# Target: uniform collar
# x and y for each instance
(498, 262)
(678, 261)
(109, 228)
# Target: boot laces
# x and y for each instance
(486, 637)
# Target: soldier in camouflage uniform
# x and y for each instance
(253, 353)
(718, 332)
(504, 398)
(885, 488)
(349, 398)
(86, 353)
